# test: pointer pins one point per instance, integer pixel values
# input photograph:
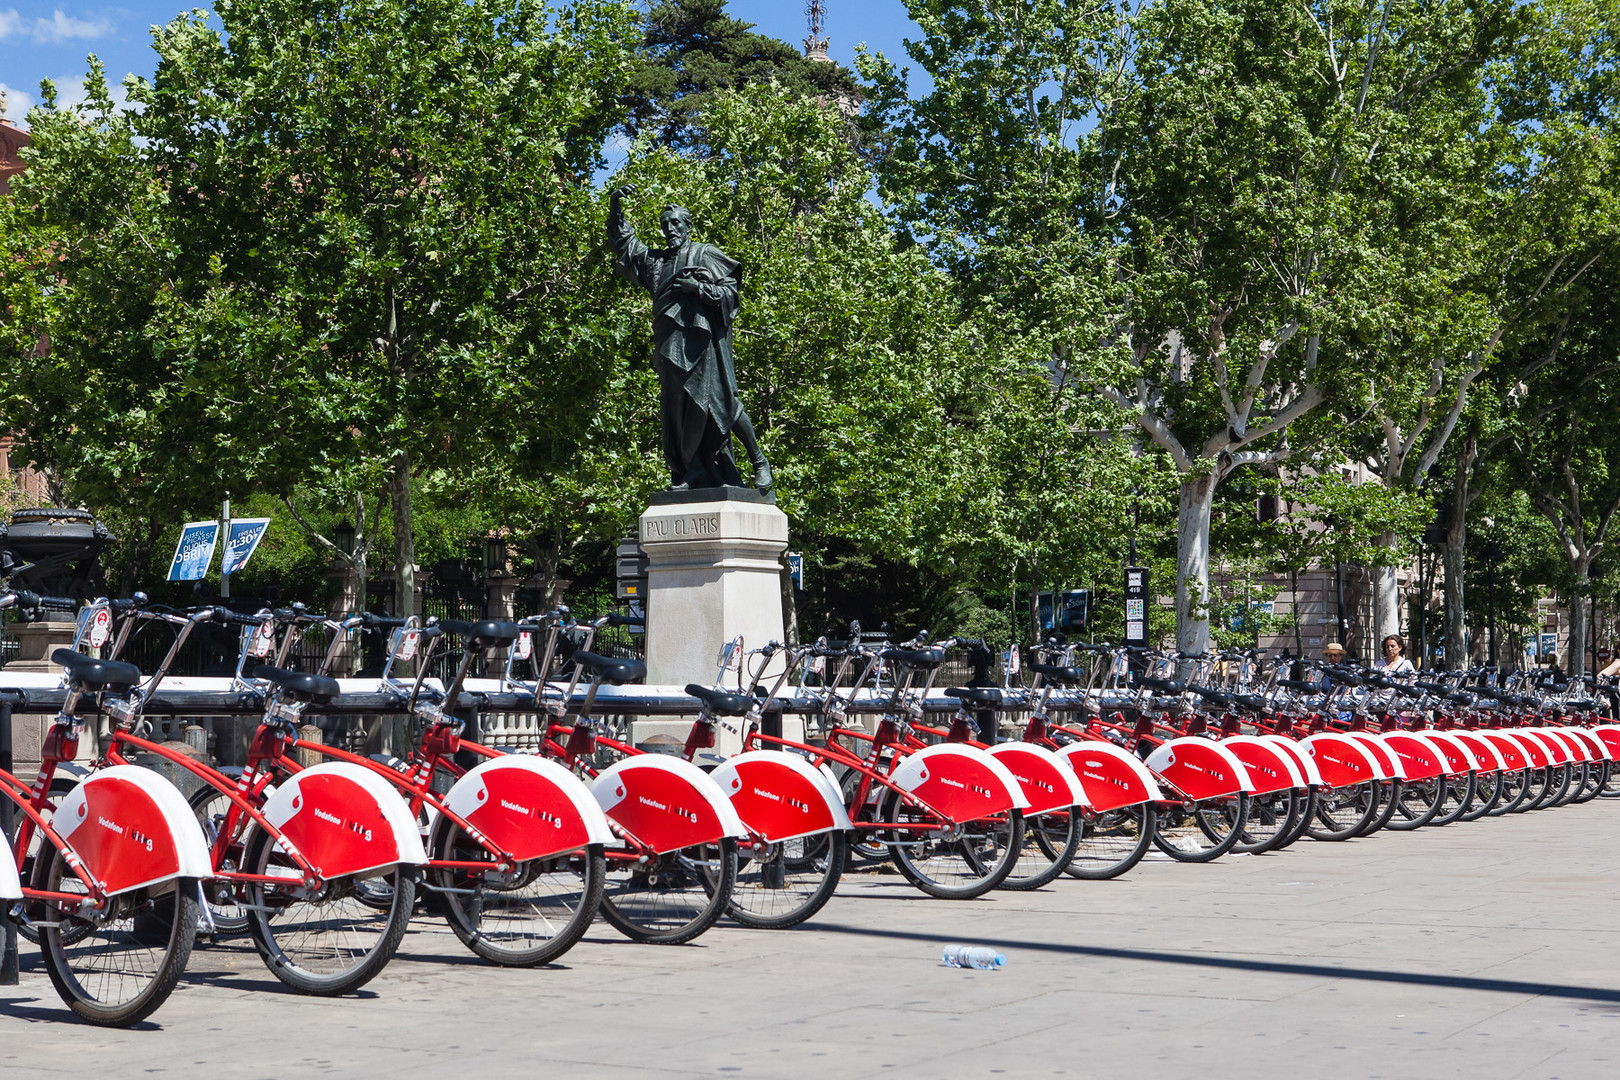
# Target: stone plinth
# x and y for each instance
(713, 572)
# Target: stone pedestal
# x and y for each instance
(36, 641)
(713, 572)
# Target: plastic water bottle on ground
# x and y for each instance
(973, 956)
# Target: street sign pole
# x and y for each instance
(225, 559)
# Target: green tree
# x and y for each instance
(338, 237)
(1219, 201)
(692, 50)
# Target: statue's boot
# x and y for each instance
(762, 474)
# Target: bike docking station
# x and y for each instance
(713, 574)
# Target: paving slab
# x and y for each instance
(1482, 950)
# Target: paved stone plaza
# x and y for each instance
(1482, 950)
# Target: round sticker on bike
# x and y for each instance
(100, 628)
(264, 639)
(523, 647)
(407, 643)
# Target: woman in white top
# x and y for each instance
(1394, 660)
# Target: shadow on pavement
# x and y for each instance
(1319, 971)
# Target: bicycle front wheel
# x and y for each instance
(212, 808)
(781, 885)
(1112, 842)
(1050, 841)
(674, 897)
(956, 862)
(114, 967)
(529, 915)
(329, 940)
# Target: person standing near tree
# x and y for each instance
(695, 290)
(1394, 661)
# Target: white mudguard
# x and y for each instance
(1535, 753)
(1110, 775)
(1557, 753)
(1383, 758)
(1595, 750)
(1296, 754)
(132, 828)
(666, 803)
(962, 782)
(1270, 767)
(1458, 758)
(1046, 779)
(345, 819)
(1486, 755)
(780, 796)
(1341, 760)
(1509, 750)
(1573, 746)
(1420, 758)
(1200, 768)
(1609, 736)
(529, 807)
(10, 885)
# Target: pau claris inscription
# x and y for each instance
(686, 527)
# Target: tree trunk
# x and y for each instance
(1035, 602)
(399, 498)
(1452, 555)
(1386, 597)
(1575, 665)
(1192, 564)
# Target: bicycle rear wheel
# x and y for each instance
(1487, 793)
(1456, 797)
(781, 885)
(1050, 841)
(1271, 815)
(530, 916)
(116, 966)
(1388, 794)
(1597, 778)
(1342, 812)
(332, 940)
(959, 863)
(1202, 830)
(1303, 813)
(674, 897)
(1416, 802)
(1112, 842)
(1515, 787)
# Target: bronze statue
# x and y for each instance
(694, 288)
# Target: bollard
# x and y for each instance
(309, 733)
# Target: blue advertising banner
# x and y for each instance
(194, 551)
(243, 541)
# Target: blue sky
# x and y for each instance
(49, 40)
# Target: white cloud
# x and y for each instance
(18, 102)
(59, 28)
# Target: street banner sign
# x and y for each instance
(242, 542)
(194, 551)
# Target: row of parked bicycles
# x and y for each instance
(321, 855)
